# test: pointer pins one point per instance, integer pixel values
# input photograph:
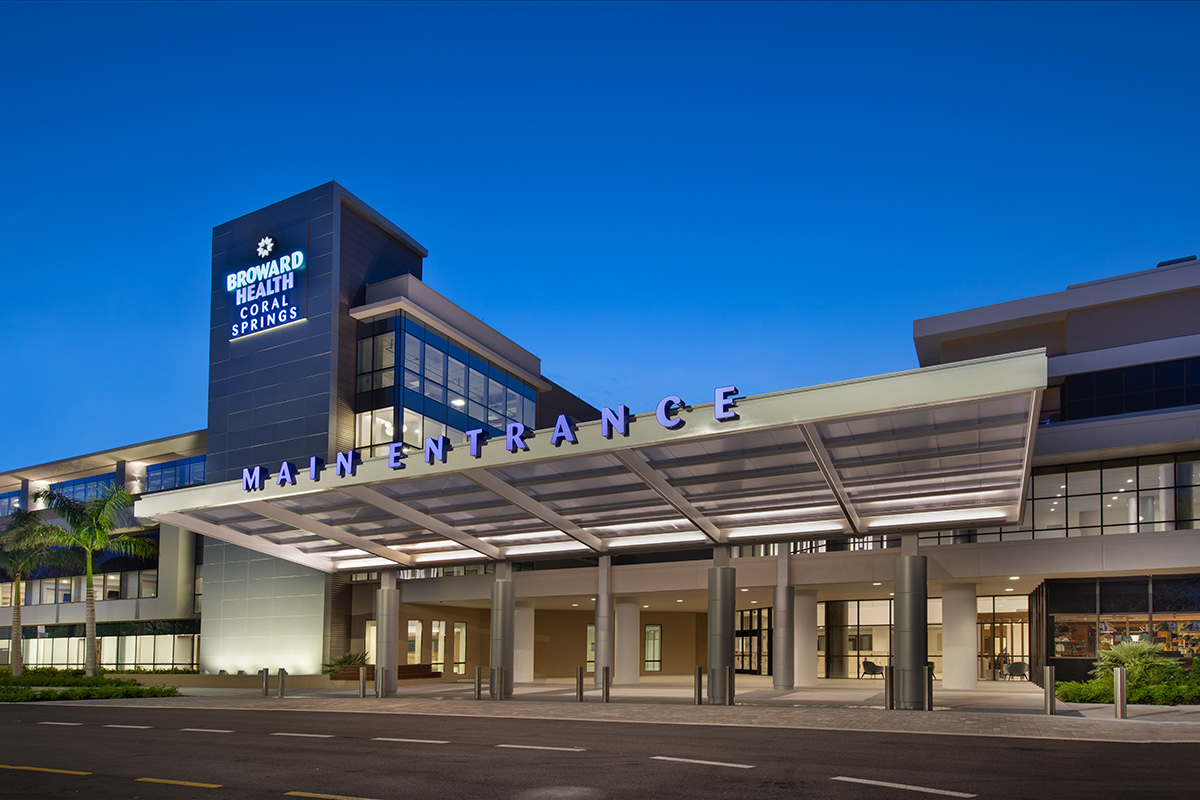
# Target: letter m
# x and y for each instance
(252, 481)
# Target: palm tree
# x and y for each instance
(24, 547)
(91, 527)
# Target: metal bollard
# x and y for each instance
(1048, 687)
(1119, 693)
(699, 685)
(499, 688)
(362, 681)
(379, 683)
(729, 685)
(282, 679)
(479, 683)
(605, 682)
(579, 684)
(928, 687)
(265, 673)
(889, 687)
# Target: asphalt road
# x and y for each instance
(53, 751)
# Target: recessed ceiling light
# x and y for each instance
(645, 606)
(877, 583)
(891, 594)
(575, 605)
(753, 602)
(1015, 578)
(678, 601)
(745, 590)
(1009, 589)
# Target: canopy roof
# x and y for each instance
(940, 447)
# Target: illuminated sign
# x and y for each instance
(668, 414)
(268, 294)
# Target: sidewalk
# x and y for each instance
(1008, 709)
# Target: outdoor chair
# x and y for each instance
(871, 668)
(1017, 669)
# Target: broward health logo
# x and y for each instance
(268, 294)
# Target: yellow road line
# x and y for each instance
(46, 769)
(328, 796)
(181, 783)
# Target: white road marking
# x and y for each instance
(706, 763)
(925, 789)
(205, 730)
(410, 741)
(135, 727)
(307, 735)
(538, 747)
(60, 723)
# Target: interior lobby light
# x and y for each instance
(657, 538)
(785, 528)
(939, 517)
(544, 547)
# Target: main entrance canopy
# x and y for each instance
(934, 448)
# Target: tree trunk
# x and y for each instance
(89, 624)
(18, 653)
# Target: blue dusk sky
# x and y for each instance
(653, 198)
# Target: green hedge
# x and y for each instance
(1152, 679)
(25, 694)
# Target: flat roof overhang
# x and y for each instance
(935, 448)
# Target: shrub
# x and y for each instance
(351, 659)
(1151, 678)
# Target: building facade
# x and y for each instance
(384, 472)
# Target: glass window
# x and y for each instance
(412, 353)
(1120, 476)
(64, 590)
(435, 392)
(590, 652)
(456, 376)
(460, 648)
(512, 405)
(496, 396)
(33, 593)
(49, 591)
(1084, 512)
(653, 648)
(1154, 474)
(1083, 481)
(8, 502)
(6, 594)
(435, 364)
(1049, 514)
(1050, 484)
(382, 425)
(478, 387)
(78, 588)
(385, 350)
(1187, 470)
(1074, 636)
(129, 585)
(362, 429)
(414, 641)
(148, 583)
(1118, 628)
(112, 586)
